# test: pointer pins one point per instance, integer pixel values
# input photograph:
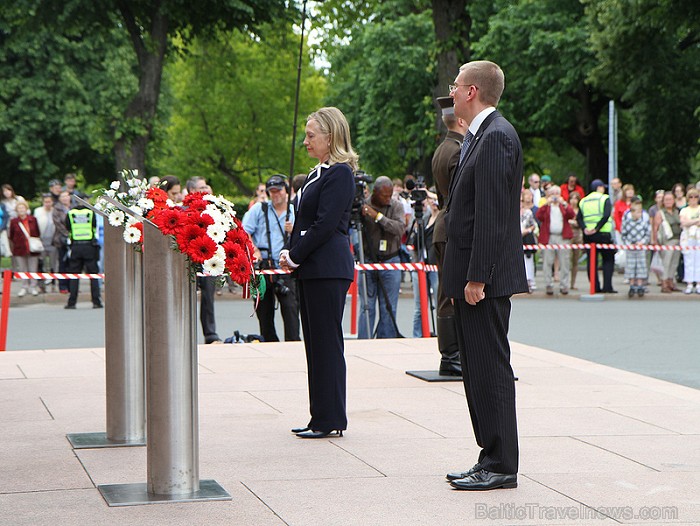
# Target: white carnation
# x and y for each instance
(116, 218)
(217, 232)
(145, 203)
(214, 266)
(132, 234)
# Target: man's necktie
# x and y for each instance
(465, 146)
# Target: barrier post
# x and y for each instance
(592, 268)
(424, 309)
(5, 313)
(353, 304)
(170, 302)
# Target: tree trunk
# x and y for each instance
(130, 147)
(452, 25)
(586, 137)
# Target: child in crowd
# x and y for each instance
(636, 230)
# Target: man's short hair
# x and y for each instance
(191, 184)
(381, 182)
(298, 181)
(451, 121)
(488, 78)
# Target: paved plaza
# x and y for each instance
(592, 438)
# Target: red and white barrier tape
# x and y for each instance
(606, 246)
(371, 266)
(54, 275)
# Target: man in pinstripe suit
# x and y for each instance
(483, 268)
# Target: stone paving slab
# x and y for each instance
(591, 437)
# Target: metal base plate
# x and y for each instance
(592, 297)
(98, 440)
(434, 376)
(137, 494)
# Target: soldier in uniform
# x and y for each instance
(445, 159)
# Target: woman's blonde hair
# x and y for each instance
(333, 123)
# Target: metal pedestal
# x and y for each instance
(124, 349)
(170, 302)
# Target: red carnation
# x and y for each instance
(197, 206)
(157, 195)
(200, 249)
(191, 197)
(237, 235)
(169, 221)
(199, 220)
(188, 234)
(233, 250)
(239, 268)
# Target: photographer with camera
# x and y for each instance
(269, 224)
(383, 225)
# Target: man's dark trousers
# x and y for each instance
(289, 307)
(84, 256)
(207, 287)
(608, 257)
(482, 333)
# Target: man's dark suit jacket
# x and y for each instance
(484, 243)
(319, 243)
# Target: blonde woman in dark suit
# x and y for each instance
(320, 255)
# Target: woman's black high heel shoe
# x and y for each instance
(320, 434)
(297, 430)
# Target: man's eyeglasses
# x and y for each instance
(453, 87)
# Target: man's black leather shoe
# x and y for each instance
(485, 480)
(461, 474)
(320, 434)
(450, 370)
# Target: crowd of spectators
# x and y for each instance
(551, 214)
(48, 222)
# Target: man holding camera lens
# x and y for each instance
(384, 224)
(269, 224)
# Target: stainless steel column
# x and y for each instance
(171, 384)
(124, 348)
(171, 340)
(124, 341)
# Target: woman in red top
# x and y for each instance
(622, 205)
(22, 259)
(572, 185)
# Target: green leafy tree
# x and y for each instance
(233, 106)
(383, 80)
(648, 59)
(57, 101)
(151, 26)
(542, 46)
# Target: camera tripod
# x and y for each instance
(421, 251)
(356, 220)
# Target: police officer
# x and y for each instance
(595, 219)
(84, 253)
(445, 159)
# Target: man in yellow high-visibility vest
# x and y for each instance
(595, 219)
